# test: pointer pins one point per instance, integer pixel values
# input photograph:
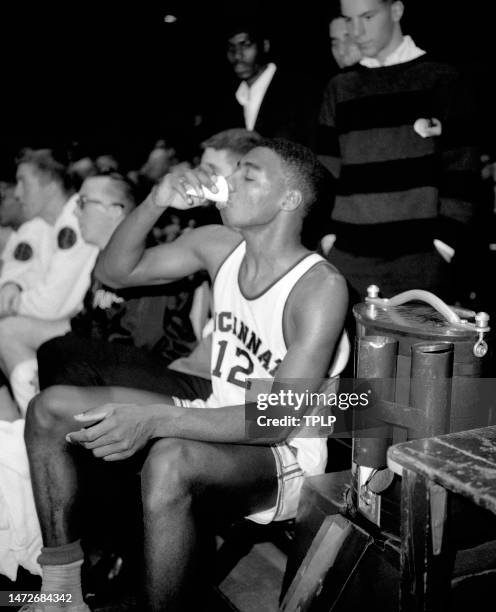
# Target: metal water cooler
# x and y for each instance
(424, 361)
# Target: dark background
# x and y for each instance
(115, 73)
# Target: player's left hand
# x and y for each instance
(119, 432)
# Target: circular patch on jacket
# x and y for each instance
(23, 251)
(66, 238)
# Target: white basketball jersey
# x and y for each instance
(248, 341)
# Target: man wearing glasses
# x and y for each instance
(101, 205)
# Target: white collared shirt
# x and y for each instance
(250, 97)
(405, 52)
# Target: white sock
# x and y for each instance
(24, 383)
(64, 580)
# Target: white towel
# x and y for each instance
(20, 535)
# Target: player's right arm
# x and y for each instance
(127, 262)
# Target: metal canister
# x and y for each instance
(439, 358)
(418, 322)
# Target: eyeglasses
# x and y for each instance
(82, 201)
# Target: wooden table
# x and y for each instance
(439, 474)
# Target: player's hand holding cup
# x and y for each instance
(189, 189)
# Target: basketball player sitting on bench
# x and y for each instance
(277, 306)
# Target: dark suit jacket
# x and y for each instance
(289, 109)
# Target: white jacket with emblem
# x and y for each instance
(58, 290)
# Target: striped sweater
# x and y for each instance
(398, 190)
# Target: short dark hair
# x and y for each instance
(303, 170)
(253, 27)
(128, 188)
(52, 162)
(235, 140)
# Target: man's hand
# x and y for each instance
(171, 191)
(10, 294)
(120, 431)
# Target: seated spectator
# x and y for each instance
(194, 458)
(103, 202)
(44, 190)
(55, 291)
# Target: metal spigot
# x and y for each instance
(482, 327)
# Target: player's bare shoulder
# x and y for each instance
(213, 243)
(322, 284)
(319, 300)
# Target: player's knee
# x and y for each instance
(167, 475)
(49, 410)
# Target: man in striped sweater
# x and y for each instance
(397, 131)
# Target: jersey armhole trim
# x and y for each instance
(284, 310)
(231, 252)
